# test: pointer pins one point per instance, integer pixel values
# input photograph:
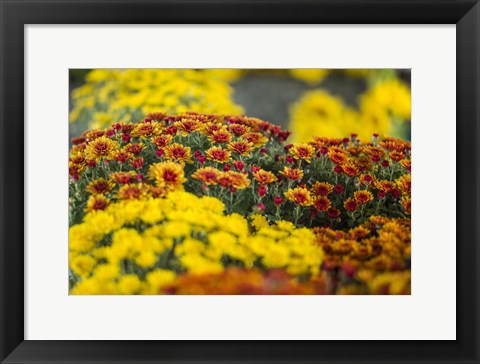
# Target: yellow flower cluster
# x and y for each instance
(111, 95)
(391, 95)
(311, 76)
(139, 246)
(382, 107)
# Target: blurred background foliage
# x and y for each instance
(309, 102)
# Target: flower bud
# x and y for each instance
(262, 190)
(260, 206)
(239, 165)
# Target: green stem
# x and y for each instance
(296, 214)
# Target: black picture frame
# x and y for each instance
(15, 14)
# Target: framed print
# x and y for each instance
(239, 181)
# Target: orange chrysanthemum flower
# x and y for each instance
(239, 129)
(299, 196)
(302, 151)
(363, 196)
(374, 152)
(385, 186)
(366, 179)
(156, 116)
(350, 204)
(358, 232)
(75, 169)
(207, 175)
(99, 148)
(319, 142)
(406, 163)
(94, 134)
(78, 160)
(121, 156)
(134, 149)
(322, 189)
(97, 202)
(145, 130)
(349, 169)
(258, 139)
(356, 150)
(211, 127)
(162, 141)
(397, 155)
(100, 186)
(264, 177)
(220, 136)
(233, 179)
(187, 126)
(404, 184)
(337, 155)
(167, 174)
(241, 147)
(322, 203)
(178, 152)
(292, 174)
(218, 154)
(156, 191)
(129, 192)
(406, 204)
(122, 177)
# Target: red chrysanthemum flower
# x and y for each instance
(350, 170)
(207, 175)
(397, 155)
(302, 151)
(162, 141)
(121, 156)
(333, 212)
(129, 192)
(322, 203)
(99, 148)
(187, 126)
(97, 202)
(257, 139)
(337, 156)
(239, 129)
(178, 152)
(137, 163)
(147, 129)
(363, 196)
(241, 147)
(299, 196)
(122, 177)
(167, 174)
(292, 174)
(338, 189)
(350, 204)
(264, 177)
(218, 154)
(366, 179)
(322, 188)
(220, 136)
(134, 149)
(100, 186)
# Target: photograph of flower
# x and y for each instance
(239, 181)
